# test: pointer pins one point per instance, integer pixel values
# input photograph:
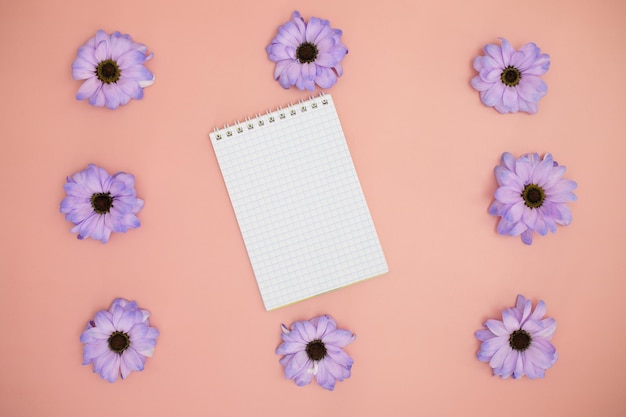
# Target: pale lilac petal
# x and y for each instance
(313, 29)
(519, 366)
(340, 357)
(77, 205)
(484, 334)
(324, 325)
(493, 95)
(299, 363)
(530, 89)
(540, 66)
(82, 70)
(338, 371)
(491, 346)
(121, 45)
(532, 361)
(508, 195)
(479, 84)
(507, 177)
(88, 88)
(509, 321)
(106, 362)
(527, 237)
(289, 71)
(500, 356)
(97, 99)
(495, 52)
(563, 186)
(540, 311)
(516, 212)
(94, 350)
(324, 378)
(510, 101)
(339, 338)
(477, 63)
(145, 346)
(508, 365)
(108, 366)
(334, 365)
(287, 348)
(88, 53)
(130, 58)
(490, 75)
(541, 226)
(530, 218)
(325, 60)
(507, 52)
(497, 327)
(131, 361)
(325, 77)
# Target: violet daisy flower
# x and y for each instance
(508, 79)
(113, 69)
(118, 340)
(313, 348)
(98, 203)
(519, 344)
(307, 53)
(531, 196)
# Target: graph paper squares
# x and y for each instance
(298, 202)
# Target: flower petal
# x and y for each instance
(339, 338)
(510, 322)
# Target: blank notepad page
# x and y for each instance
(298, 202)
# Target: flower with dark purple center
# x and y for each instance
(314, 348)
(98, 203)
(508, 79)
(118, 340)
(520, 344)
(307, 53)
(113, 69)
(532, 196)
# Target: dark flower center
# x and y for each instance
(101, 202)
(118, 342)
(520, 340)
(316, 350)
(511, 76)
(306, 52)
(108, 71)
(533, 196)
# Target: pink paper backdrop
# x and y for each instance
(424, 147)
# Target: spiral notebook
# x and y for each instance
(298, 201)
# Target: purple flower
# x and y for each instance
(531, 196)
(307, 53)
(313, 348)
(118, 340)
(113, 69)
(98, 203)
(508, 79)
(519, 344)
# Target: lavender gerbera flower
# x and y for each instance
(113, 69)
(118, 340)
(98, 203)
(519, 344)
(508, 79)
(307, 53)
(531, 196)
(313, 348)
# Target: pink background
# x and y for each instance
(424, 147)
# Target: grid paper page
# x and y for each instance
(298, 202)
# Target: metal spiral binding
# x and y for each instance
(290, 111)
